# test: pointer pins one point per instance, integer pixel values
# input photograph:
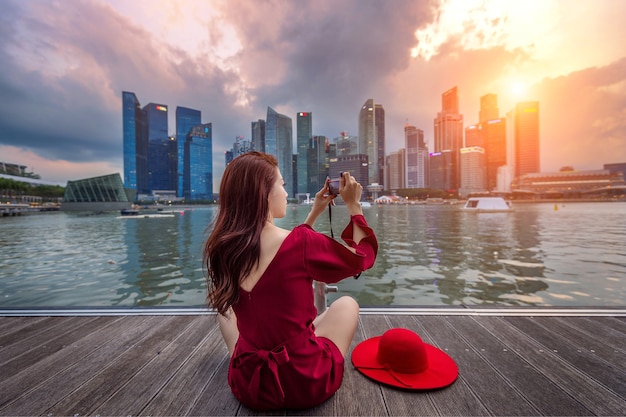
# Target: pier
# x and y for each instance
(165, 362)
(21, 209)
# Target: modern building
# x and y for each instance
(357, 165)
(448, 129)
(198, 167)
(526, 138)
(443, 172)
(473, 172)
(372, 139)
(258, 135)
(318, 163)
(304, 135)
(163, 165)
(279, 142)
(416, 158)
(104, 193)
(568, 183)
(347, 144)
(186, 118)
(135, 144)
(617, 167)
(396, 166)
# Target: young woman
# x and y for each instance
(283, 355)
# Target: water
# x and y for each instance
(428, 256)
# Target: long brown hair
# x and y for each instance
(234, 246)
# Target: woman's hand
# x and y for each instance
(351, 191)
(322, 199)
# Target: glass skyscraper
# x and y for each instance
(198, 167)
(162, 150)
(258, 135)
(526, 138)
(372, 139)
(279, 142)
(186, 118)
(135, 144)
(304, 135)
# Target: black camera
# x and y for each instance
(333, 185)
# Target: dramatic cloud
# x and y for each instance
(65, 65)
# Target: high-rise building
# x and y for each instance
(448, 129)
(279, 142)
(488, 108)
(372, 139)
(318, 164)
(186, 118)
(258, 135)
(416, 158)
(357, 165)
(472, 171)
(527, 138)
(396, 167)
(198, 167)
(135, 144)
(346, 144)
(442, 168)
(162, 150)
(304, 135)
(489, 134)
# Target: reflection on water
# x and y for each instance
(429, 255)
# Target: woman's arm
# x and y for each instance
(321, 201)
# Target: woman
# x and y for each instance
(260, 282)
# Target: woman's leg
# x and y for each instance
(228, 327)
(338, 322)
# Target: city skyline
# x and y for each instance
(66, 65)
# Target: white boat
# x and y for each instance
(487, 204)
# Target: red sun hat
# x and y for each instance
(401, 359)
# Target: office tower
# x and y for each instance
(258, 135)
(396, 167)
(488, 108)
(346, 144)
(186, 118)
(304, 134)
(526, 138)
(416, 158)
(372, 139)
(198, 167)
(442, 168)
(162, 150)
(135, 144)
(279, 142)
(318, 164)
(474, 136)
(357, 165)
(448, 128)
(473, 178)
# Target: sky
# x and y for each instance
(66, 63)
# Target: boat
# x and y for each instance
(487, 205)
(144, 214)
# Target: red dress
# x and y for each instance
(278, 361)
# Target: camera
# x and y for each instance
(333, 185)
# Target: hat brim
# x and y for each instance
(441, 372)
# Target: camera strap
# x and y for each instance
(330, 222)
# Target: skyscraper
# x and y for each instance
(186, 118)
(416, 158)
(258, 135)
(162, 150)
(304, 134)
(448, 127)
(372, 139)
(135, 144)
(472, 170)
(198, 167)
(527, 138)
(279, 142)
(397, 169)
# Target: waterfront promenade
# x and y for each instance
(165, 362)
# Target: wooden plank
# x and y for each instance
(42, 384)
(593, 398)
(181, 393)
(46, 343)
(607, 330)
(216, 398)
(480, 389)
(601, 363)
(123, 361)
(484, 335)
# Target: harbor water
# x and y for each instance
(541, 254)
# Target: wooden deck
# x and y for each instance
(170, 365)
